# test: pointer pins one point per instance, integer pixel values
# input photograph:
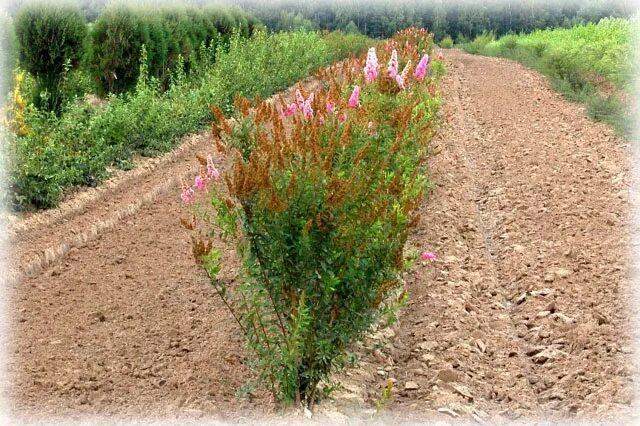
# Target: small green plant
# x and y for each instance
(538, 48)
(610, 110)
(245, 391)
(344, 44)
(410, 257)
(563, 67)
(329, 388)
(386, 396)
(446, 42)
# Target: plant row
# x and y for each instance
(318, 199)
(55, 40)
(168, 35)
(51, 153)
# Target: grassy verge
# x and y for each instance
(51, 154)
(590, 64)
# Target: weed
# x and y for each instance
(385, 397)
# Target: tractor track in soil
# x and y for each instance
(523, 314)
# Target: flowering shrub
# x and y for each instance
(371, 67)
(318, 202)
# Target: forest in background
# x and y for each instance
(462, 19)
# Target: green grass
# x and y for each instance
(590, 64)
(77, 147)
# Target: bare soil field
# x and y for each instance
(523, 315)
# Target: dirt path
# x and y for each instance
(522, 315)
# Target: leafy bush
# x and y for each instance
(50, 44)
(538, 48)
(45, 163)
(239, 73)
(461, 39)
(480, 42)
(563, 67)
(446, 42)
(318, 205)
(351, 27)
(117, 37)
(509, 42)
(612, 111)
(343, 44)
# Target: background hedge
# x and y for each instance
(168, 34)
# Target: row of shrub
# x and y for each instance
(53, 40)
(319, 201)
(52, 153)
(591, 64)
(168, 34)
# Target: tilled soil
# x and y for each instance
(523, 314)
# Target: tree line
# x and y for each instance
(460, 19)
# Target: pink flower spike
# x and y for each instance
(371, 67)
(330, 107)
(321, 118)
(212, 171)
(289, 110)
(421, 69)
(427, 256)
(392, 69)
(354, 99)
(187, 193)
(307, 110)
(342, 117)
(199, 183)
